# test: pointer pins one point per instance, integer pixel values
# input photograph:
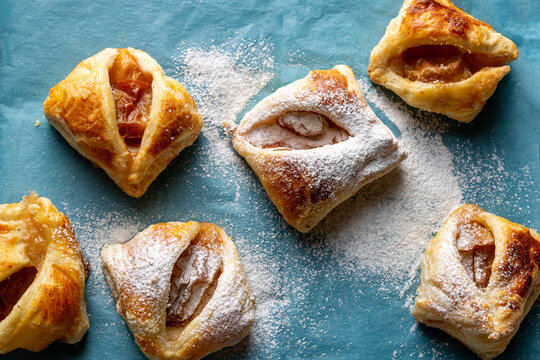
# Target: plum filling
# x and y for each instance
(13, 288)
(441, 63)
(296, 130)
(477, 249)
(194, 276)
(132, 94)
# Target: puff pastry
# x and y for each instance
(181, 289)
(119, 110)
(438, 58)
(42, 277)
(479, 279)
(314, 143)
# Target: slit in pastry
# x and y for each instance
(42, 277)
(479, 279)
(119, 110)
(438, 58)
(296, 130)
(181, 289)
(193, 279)
(476, 247)
(132, 94)
(13, 288)
(314, 143)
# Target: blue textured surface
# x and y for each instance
(42, 41)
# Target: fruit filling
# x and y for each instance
(296, 130)
(13, 288)
(441, 63)
(194, 275)
(476, 246)
(132, 94)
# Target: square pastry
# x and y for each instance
(479, 279)
(119, 110)
(42, 277)
(314, 143)
(181, 289)
(438, 58)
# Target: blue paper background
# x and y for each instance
(42, 41)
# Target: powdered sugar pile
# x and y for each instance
(272, 298)
(222, 81)
(94, 231)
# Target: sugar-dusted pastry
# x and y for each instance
(119, 110)
(42, 277)
(479, 279)
(181, 289)
(439, 58)
(314, 143)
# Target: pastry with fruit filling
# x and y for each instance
(181, 289)
(314, 143)
(480, 277)
(119, 110)
(42, 277)
(438, 58)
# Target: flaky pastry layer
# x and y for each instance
(306, 184)
(40, 257)
(425, 25)
(140, 272)
(82, 108)
(483, 316)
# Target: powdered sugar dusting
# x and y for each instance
(271, 293)
(490, 185)
(94, 231)
(147, 270)
(222, 80)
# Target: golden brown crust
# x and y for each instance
(483, 318)
(305, 185)
(81, 107)
(139, 275)
(437, 18)
(440, 23)
(35, 235)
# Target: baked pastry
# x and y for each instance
(314, 143)
(181, 289)
(119, 110)
(42, 277)
(438, 58)
(479, 279)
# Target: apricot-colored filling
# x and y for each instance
(12, 288)
(476, 246)
(132, 95)
(296, 130)
(441, 63)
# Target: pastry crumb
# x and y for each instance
(37, 123)
(229, 127)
